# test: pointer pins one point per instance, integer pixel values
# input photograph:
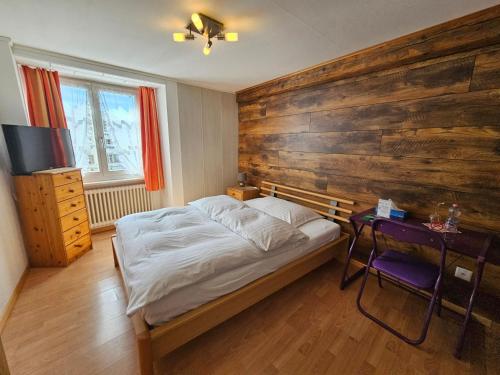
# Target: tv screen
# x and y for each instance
(34, 149)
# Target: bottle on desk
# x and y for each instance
(451, 223)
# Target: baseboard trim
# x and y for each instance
(12, 300)
(445, 303)
(102, 229)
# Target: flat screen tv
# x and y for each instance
(34, 149)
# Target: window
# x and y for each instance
(105, 130)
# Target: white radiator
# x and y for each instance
(106, 205)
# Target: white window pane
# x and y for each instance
(78, 110)
(121, 130)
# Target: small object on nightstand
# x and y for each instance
(242, 179)
(243, 193)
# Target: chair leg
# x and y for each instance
(379, 279)
(434, 300)
(427, 319)
(439, 301)
(363, 283)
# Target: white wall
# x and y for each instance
(208, 127)
(171, 148)
(13, 259)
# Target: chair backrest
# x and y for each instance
(409, 233)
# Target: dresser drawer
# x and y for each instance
(76, 232)
(68, 191)
(235, 194)
(78, 247)
(71, 205)
(66, 178)
(243, 193)
(73, 219)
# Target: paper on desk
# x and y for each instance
(384, 207)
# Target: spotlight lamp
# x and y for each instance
(179, 37)
(207, 48)
(231, 37)
(197, 22)
(206, 27)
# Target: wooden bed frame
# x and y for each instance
(155, 342)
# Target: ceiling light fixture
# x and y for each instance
(207, 27)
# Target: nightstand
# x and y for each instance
(243, 193)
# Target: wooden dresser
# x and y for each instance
(53, 216)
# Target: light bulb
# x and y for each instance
(208, 48)
(179, 37)
(197, 22)
(231, 37)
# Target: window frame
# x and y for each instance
(93, 87)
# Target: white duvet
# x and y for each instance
(168, 249)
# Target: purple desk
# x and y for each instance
(469, 243)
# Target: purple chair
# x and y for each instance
(406, 269)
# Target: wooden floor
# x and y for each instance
(71, 321)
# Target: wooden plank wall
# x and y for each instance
(416, 119)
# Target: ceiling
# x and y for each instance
(276, 36)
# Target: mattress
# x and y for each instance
(319, 231)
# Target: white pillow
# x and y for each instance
(264, 231)
(290, 212)
(217, 205)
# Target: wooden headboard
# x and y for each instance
(326, 205)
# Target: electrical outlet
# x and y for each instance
(463, 273)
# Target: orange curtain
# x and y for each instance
(43, 93)
(150, 140)
(45, 107)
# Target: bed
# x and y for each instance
(169, 304)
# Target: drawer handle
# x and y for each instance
(78, 245)
(76, 218)
(73, 204)
(78, 232)
(69, 177)
(71, 190)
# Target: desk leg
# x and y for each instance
(346, 280)
(477, 281)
